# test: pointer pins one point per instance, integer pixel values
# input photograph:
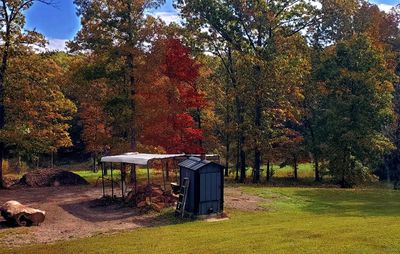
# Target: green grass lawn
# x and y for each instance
(305, 170)
(141, 173)
(295, 220)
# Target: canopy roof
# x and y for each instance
(138, 158)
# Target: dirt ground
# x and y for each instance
(70, 213)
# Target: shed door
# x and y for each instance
(210, 192)
(210, 187)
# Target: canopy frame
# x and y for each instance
(133, 159)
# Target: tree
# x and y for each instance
(37, 111)
(15, 37)
(356, 106)
(168, 91)
(340, 20)
(250, 28)
(122, 29)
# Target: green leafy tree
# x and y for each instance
(355, 108)
(250, 28)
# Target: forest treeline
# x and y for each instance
(258, 82)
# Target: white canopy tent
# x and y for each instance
(138, 158)
(141, 159)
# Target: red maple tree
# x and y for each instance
(167, 93)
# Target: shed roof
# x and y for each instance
(194, 163)
(138, 158)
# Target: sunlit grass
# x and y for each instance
(295, 220)
(141, 173)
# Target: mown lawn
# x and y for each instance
(141, 173)
(296, 220)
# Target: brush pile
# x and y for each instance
(51, 177)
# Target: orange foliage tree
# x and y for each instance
(167, 93)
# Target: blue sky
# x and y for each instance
(60, 23)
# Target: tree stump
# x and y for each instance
(21, 215)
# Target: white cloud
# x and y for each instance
(167, 17)
(385, 7)
(56, 44)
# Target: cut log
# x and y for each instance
(21, 215)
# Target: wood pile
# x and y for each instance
(51, 177)
(20, 215)
(151, 196)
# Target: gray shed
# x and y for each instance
(206, 187)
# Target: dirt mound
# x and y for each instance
(51, 177)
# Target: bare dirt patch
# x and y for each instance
(237, 199)
(70, 213)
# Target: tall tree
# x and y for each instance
(38, 113)
(14, 37)
(168, 92)
(356, 107)
(119, 27)
(250, 28)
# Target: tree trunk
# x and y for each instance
(21, 215)
(257, 166)
(52, 159)
(1, 165)
(227, 153)
(105, 171)
(237, 160)
(3, 70)
(295, 166)
(133, 173)
(257, 152)
(241, 158)
(316, 166)
(268, 171)
(227, 136)
(167, 171)
(132, 82)
(199, 126)
(133, 133)
(94, 163)
(242, 161)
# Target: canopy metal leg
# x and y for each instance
(112, 181)
(148, 175)
(163, 176)
(123, 174)
(102, 178)
(135, 176)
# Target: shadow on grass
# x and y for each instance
(285, 182)
(166, 217)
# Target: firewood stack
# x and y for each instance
(21, 215)
(151, 196)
